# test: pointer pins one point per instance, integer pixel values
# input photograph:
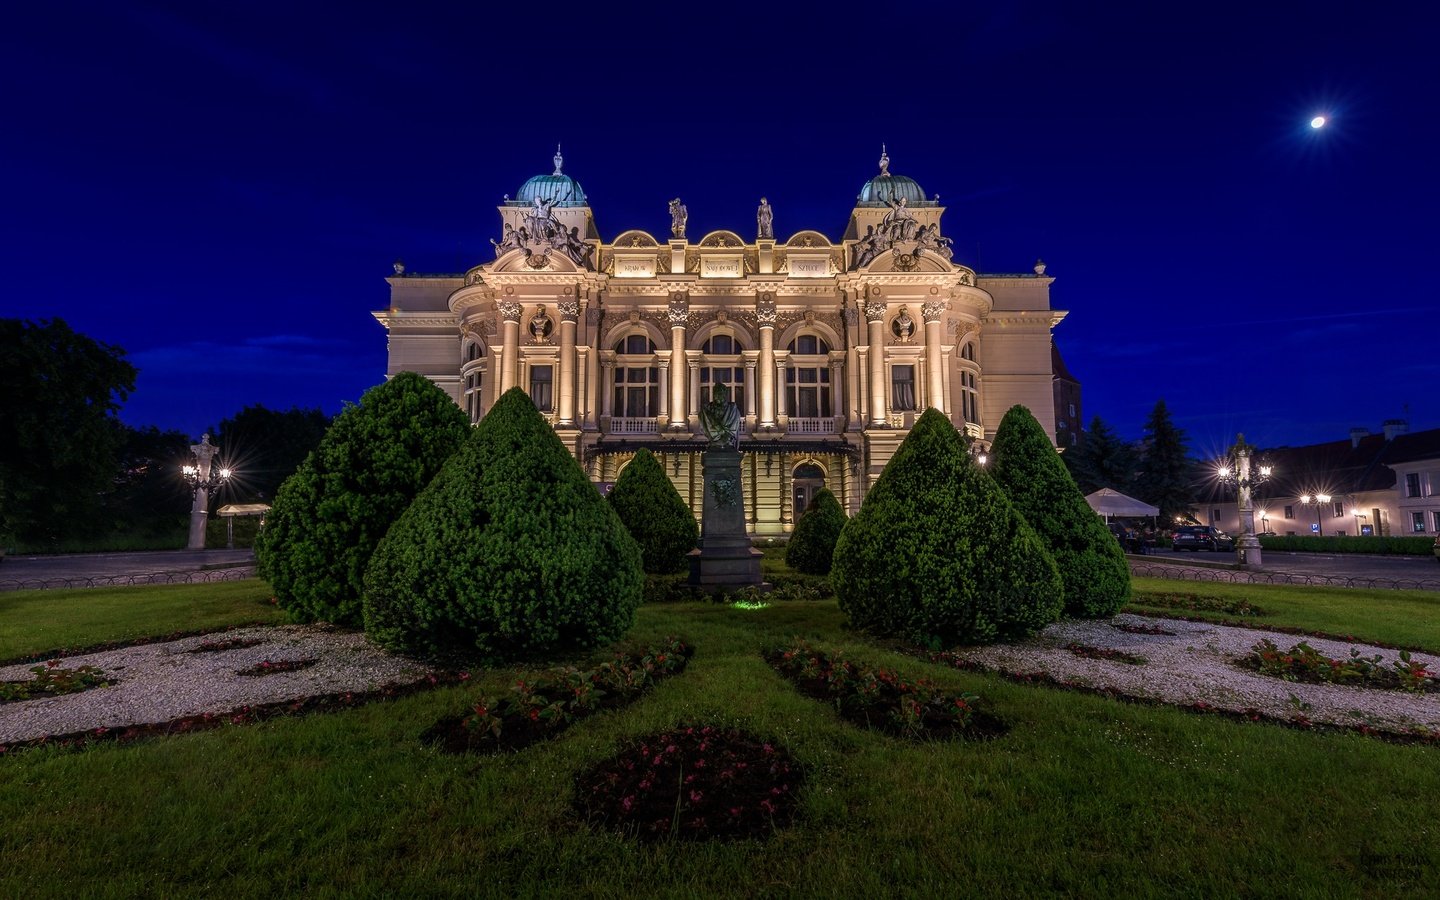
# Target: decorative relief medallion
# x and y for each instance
(509, 310)
(902, 326)
(541, 326)
(725, 491)
(905, 262)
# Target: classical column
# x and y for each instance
(679, 313)
(593, 384)
(750, 388)
(932, 312)
(510, 344)
(607, 388)
(665, 362)
(837, 387)
(875, 316)
(569, 314)
(694, 364)
(781, 386)
(854, 388)
(765, 317)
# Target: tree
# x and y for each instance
(1101, 460)
(59, 443)
(328, 517)
(1165, 479)
(265, 446)
(655, 514)
(148, 496)
(812, 547)
(937, 554)
(1091, 562)
(509, 552)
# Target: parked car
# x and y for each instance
(1201, 537)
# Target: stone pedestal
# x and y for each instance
(725, 558)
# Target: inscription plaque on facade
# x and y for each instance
(721, 267)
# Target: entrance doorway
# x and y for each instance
(808, 480)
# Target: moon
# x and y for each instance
(1317, 122)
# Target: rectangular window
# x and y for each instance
(1417, 522)
(540, 384)
(1412, 484)
(902, 388)
(1339, 510)
(1436, 516)
(1214, 516)
(637, 392)
(1290, 513)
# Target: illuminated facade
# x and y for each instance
(831, 349)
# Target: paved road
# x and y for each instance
(101, 569)
(1362, 570)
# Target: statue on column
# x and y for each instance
(765, 218)
(720, 419)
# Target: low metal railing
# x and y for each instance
(1260, 576)
(239, 573)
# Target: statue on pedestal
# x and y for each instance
(720, 419)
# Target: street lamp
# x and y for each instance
(1236, 469)
(1319, 501)
(203, 477)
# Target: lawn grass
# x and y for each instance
(39, 621)
(1404, 618)
(1084, 796)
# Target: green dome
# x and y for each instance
(885, 188)
(561, 188)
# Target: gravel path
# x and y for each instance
(159, 682)
(1198, 664)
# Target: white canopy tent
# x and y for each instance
(1109, 503)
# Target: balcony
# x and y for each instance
(632, 425)
(824, 425)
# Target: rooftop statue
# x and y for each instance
(678, 215)
(765, 218)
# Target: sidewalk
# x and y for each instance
(111, 569)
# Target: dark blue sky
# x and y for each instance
(220, 189)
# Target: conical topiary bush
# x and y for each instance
(937, 555)
(1092, 565)
(510, 552)
(654, 514)
(812, 546)
(330, 514)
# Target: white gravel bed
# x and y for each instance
(1198, 664)
(159, 682)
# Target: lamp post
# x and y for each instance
(203, 478)
(1237, 469)
(1319, 501)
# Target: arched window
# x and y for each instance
(807, 379)
(809, 345)
(473, 379)
(969, 398)
(635, 344)
(723, 365)
(968, 352)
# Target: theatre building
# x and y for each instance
(831, 349)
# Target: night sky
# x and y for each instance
(221, 189)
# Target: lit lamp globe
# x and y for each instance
(1318, 122)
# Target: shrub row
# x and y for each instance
(1308, 543)
(1303, 662)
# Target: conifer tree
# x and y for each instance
(1092, 565)
(812, 547)
(1101, 459)
(509, 552)
(938, 555)
(1165, 479)
(655, 514)
(330, 513)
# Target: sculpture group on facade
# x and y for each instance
(542, 231)
(900, 226)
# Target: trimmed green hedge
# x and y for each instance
(1092, 563)
(510, 552)
(1309, 543)
(330, 514)
(812, 546)
(655, 514)
(938, 556)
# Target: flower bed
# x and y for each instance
(1141, 629)
(52, 681)
(547, 705)
(275, 667)
(694, 782)
(880, 698)
(1202, 602)
(222, 646)
(1304, 663)
(1085, 651)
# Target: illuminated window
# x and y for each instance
(1417, 522)
(540, 387)
(809, 391)
(1289, 512)
(902, 388)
